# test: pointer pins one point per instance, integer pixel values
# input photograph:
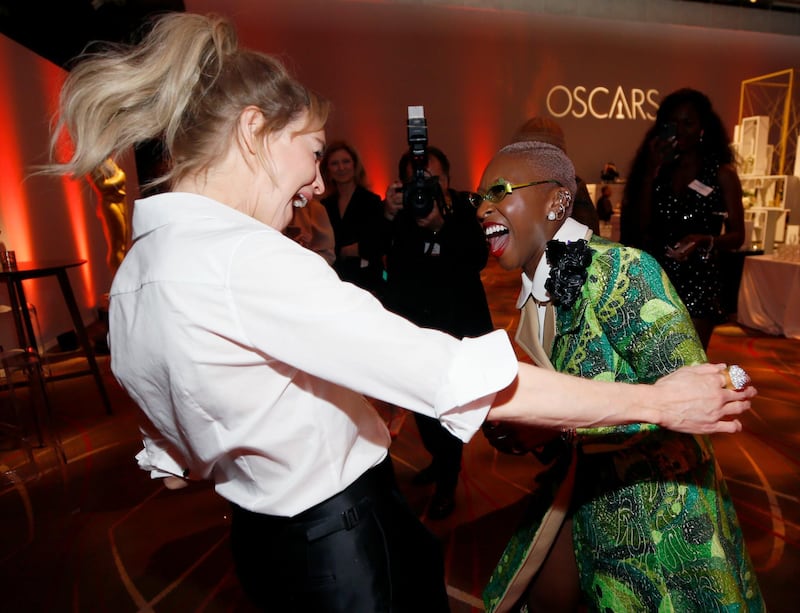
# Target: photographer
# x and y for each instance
(433, 263)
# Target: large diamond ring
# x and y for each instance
(737, 378)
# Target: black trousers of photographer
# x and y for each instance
(446, 451)
(363, 550)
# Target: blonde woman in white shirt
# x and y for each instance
(250, 359)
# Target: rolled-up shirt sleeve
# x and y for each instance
(457, 407)
(342, 334)
(160, 458)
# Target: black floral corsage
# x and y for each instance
(568, 263)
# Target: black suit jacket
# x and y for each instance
(434, 280)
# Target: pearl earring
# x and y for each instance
(551, 216)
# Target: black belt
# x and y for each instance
(342, 511)
(346, 520)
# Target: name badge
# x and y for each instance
(700, 188)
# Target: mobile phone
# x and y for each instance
(668, 131)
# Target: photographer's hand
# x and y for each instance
(393, 201)
(433, 221)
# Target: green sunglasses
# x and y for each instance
(502, 188)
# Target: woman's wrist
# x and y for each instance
(707, 248)
(647, 404)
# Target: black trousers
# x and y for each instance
(445, 449)
(361, 551)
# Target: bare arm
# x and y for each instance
(692, 399)
(732, 194)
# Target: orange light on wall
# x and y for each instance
(77, 207)
(482, 144)
(17, 233)
(42, 218)
(74, 191)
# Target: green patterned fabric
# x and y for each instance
(653, 524)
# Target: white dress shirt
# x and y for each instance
(251, 359)
(570, 231)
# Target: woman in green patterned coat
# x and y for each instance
(628, 518)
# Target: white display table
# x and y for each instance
(769, 296)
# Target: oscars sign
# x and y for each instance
(602, 102)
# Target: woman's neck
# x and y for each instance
(687, 167)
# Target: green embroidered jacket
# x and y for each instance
(653, 524)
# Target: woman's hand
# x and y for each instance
(661, 150)
(694, 399)
(175, 483)
(681, 250)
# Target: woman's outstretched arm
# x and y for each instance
(692, 399)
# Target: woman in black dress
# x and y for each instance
(683, 202)
(352, 209)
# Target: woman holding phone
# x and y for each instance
(683, 202)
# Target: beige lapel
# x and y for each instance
(528, 339)
(549, 329)
(541, 543)
(528, 333)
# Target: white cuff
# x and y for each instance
(483, 366)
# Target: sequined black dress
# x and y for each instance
(697, 209)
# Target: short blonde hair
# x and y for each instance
(548, 159)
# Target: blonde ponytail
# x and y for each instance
(185, 84)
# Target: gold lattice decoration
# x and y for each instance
(775, 95)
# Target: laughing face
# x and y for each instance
(295, 154)
(516, 224)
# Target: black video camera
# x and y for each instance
(421, 192)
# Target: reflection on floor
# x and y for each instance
(97, 534)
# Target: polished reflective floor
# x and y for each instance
(96, 534)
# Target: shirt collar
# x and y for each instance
(570, 231)
(170, 207)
